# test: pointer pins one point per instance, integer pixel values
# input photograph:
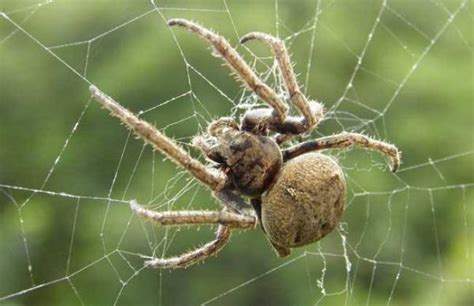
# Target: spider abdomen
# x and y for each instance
(306, 202)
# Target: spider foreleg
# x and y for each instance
(345, 140)
(213, 178)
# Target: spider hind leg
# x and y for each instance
(190, 258)
(226, 220)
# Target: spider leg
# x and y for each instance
(213, 178)
(192, 257)
(225, 219)
(195, 217)
(344, 140)
(222, 47)
(292, 125)
(311, 111)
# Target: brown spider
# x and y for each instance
(297, 196)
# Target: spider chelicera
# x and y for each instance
(296, 194)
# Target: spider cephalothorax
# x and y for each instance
(251, 161)
(296, 194)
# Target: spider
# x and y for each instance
(296, 194)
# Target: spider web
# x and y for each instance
(395, 70)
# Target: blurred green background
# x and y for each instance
(407, 238)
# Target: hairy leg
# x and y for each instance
(344, 140)
(235, 61)
(213, 178)
(195, 217)
(192, 257)
(311, 117)
(226, 220)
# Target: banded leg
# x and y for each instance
(344, 140)
(187, 259)
(312, 113)
(212, 178)
(235, 61)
